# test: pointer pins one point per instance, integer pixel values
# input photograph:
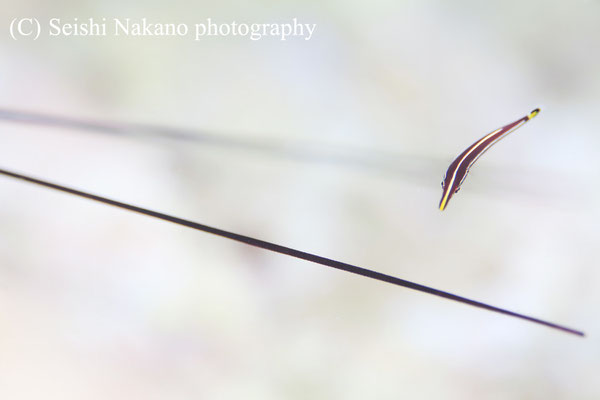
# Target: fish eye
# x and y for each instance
(442, 184)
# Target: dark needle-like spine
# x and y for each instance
(288, 251)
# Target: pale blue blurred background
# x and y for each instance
(99, 303)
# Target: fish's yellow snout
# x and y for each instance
(533, 113)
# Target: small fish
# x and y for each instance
(458, 170)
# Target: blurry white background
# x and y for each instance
(100, 303)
